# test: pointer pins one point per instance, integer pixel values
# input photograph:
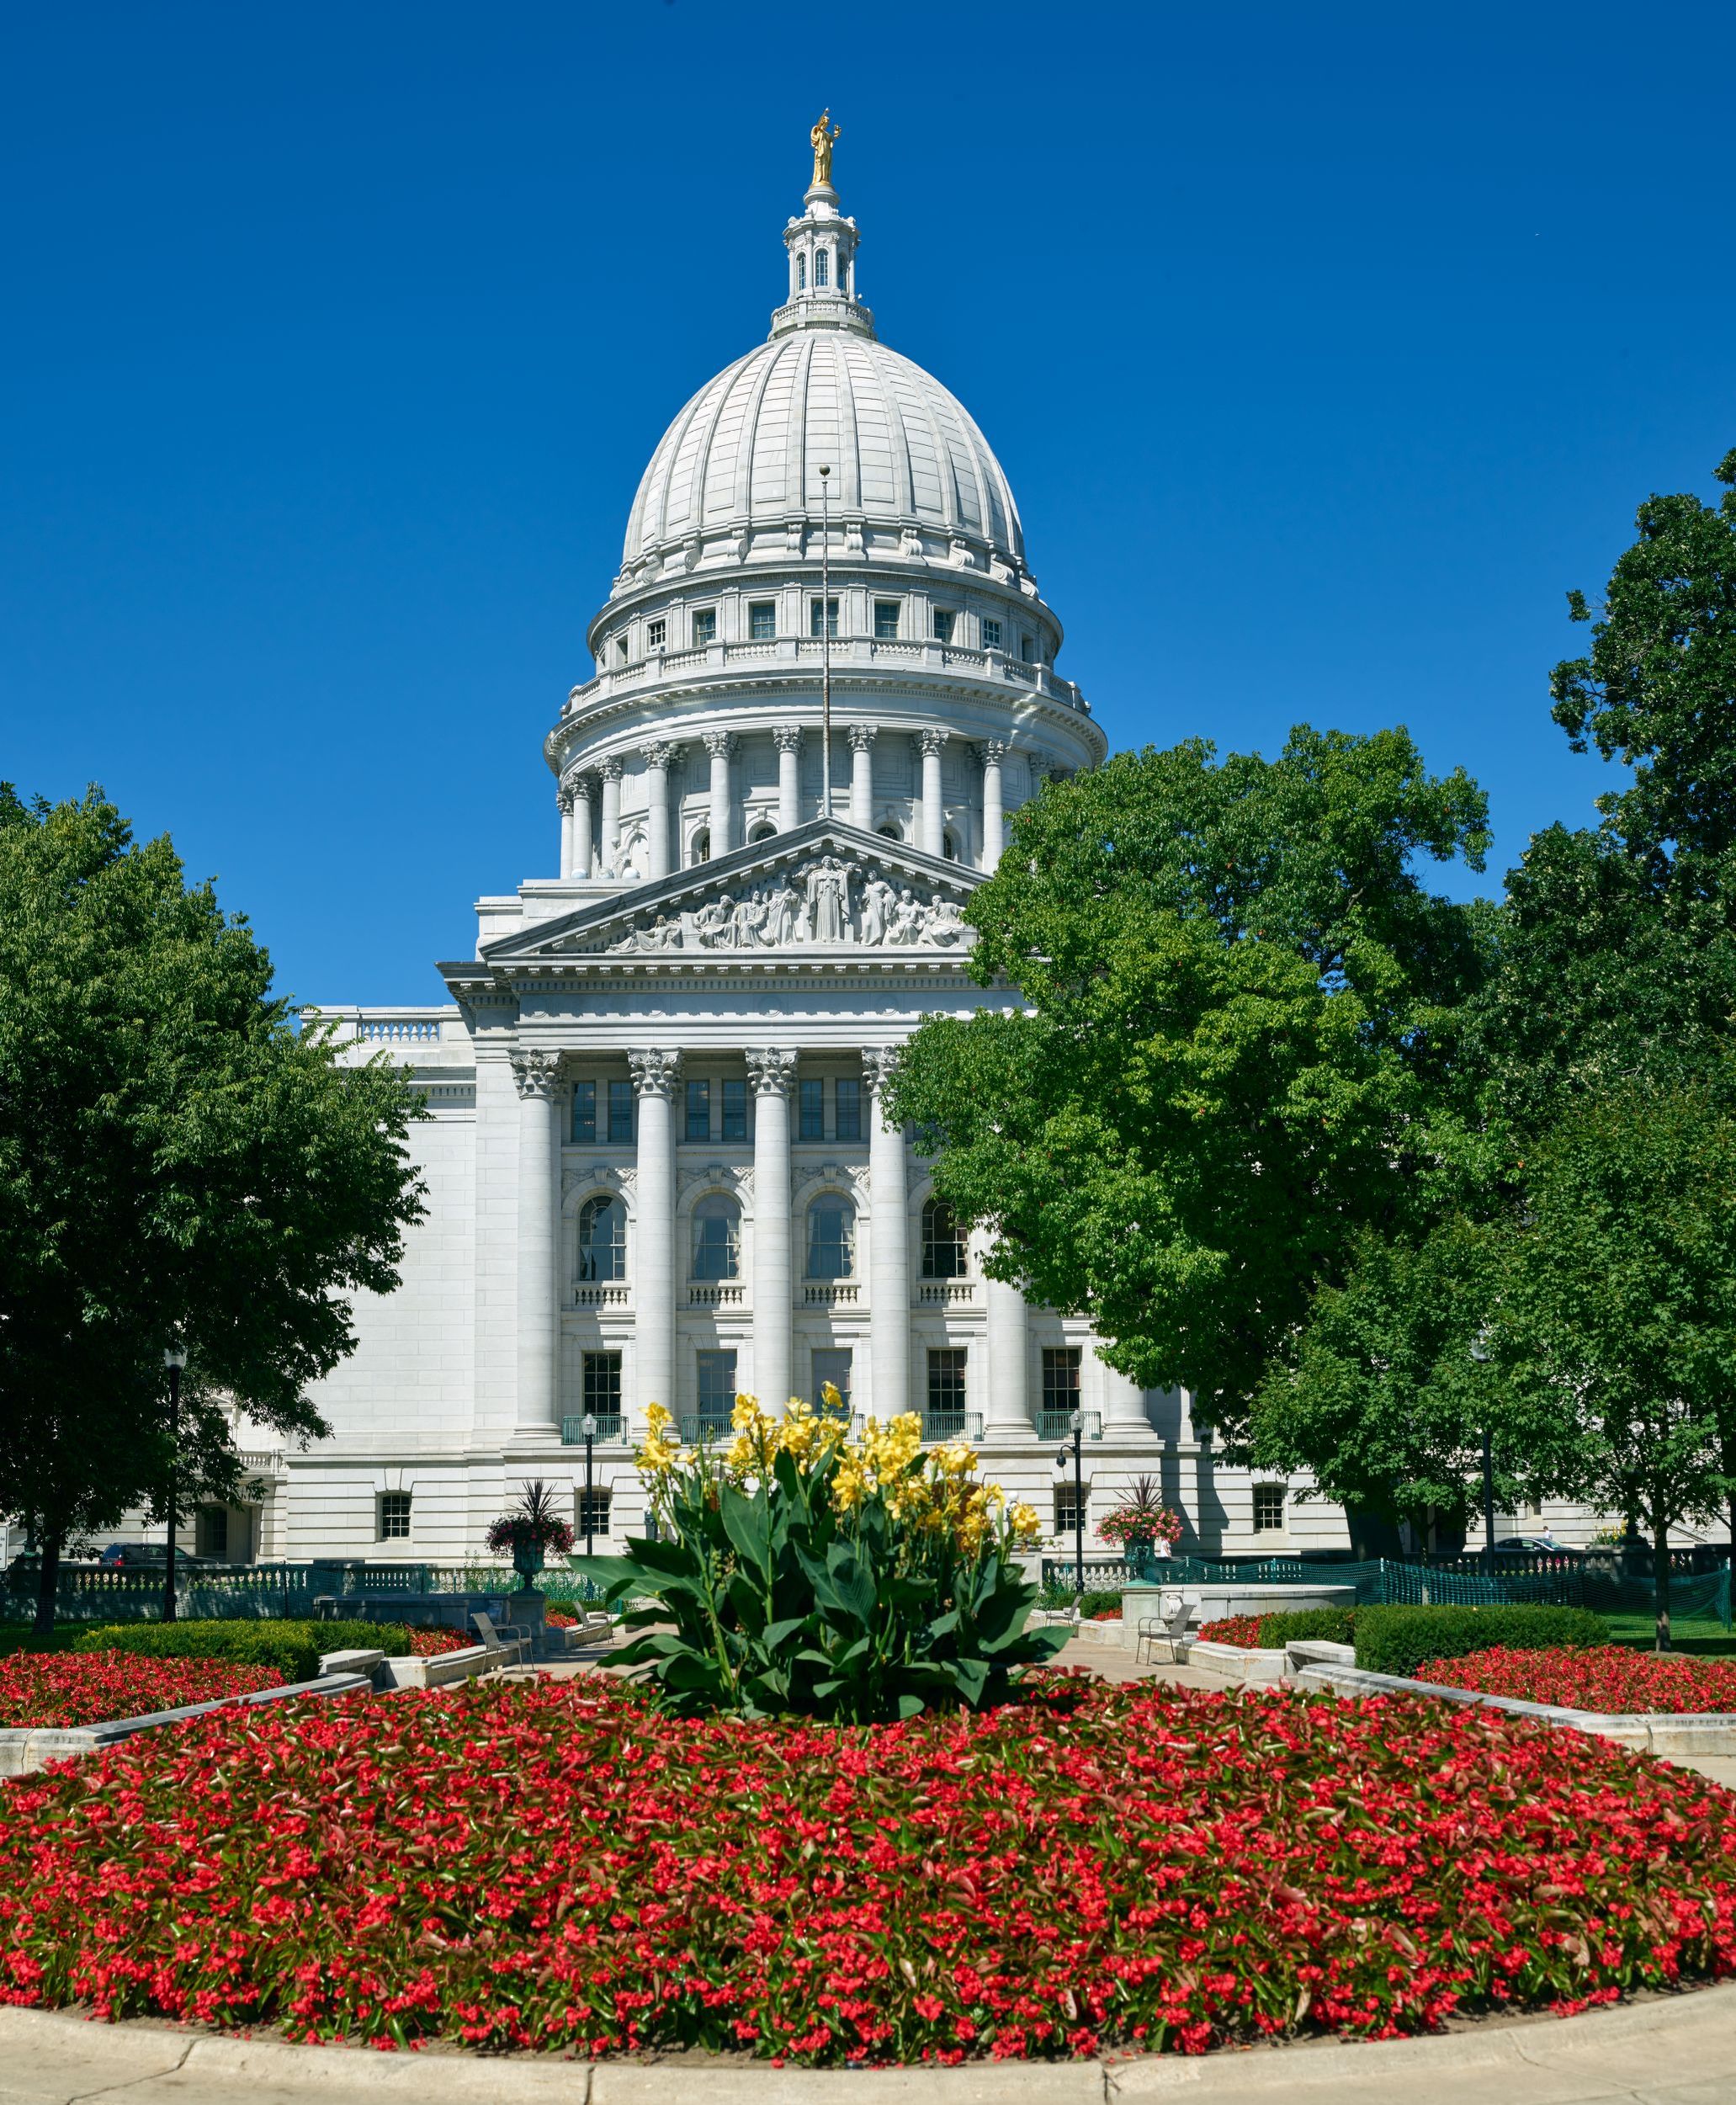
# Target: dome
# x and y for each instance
(746, 451)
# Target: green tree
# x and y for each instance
(1236, 1050)
(174, 1157)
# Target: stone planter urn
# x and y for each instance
(528, 1562)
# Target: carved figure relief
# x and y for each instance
(822, 901)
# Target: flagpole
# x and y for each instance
(826, 644)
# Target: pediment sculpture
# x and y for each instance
(825, 902)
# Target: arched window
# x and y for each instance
(943, 1256)
(764, 834)
(701, 845)
(949, 847)
(822, 266)
(717, 1238)
(831, 1238)
(889, 832)
(801, 274)
(602, 1238)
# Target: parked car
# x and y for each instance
(134, 1556)
(1529, 1544)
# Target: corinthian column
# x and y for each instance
(582, 826)
(933, 834)
(861, 776)
(654, 1073)
(1125, 1417)
(788, 739)
(612, 771)
(890, 1235)
(720, 745)
(538, 1198)
(1008, 1416)
(993, 751)
(657, 756)
(564, 804)
(773, 1278)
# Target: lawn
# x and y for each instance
(1707, 1639)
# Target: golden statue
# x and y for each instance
(822, 141)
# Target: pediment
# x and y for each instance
(828, 889)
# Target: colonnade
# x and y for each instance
(588, 849)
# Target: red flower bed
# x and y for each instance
(1607, 1677)
(429, 1644)
(69, 1688)
(542, 1865)
(1243, 1631)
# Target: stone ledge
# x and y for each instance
(24, 1749)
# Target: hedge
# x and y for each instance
(1305, 1625)
(290, 1648)
(1397, 1641)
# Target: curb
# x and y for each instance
(1664, 2052)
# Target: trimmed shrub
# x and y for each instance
(1397, 1641)
(1309, 1625)
(291, 1650)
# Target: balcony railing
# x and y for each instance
(1058, 1425)
(608, 1428)
(951, 1425)
(722, 1294)
(711, 1425)
(599, 1297)
(833, 1293)
(945, 1293)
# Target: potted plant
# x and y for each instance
(531, 1532)
(1143, 1527)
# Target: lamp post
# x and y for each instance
(1479, 1353)
(174, 1358)
(588, 1426)
(826, 644)
(1076, 1426)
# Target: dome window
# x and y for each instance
(704, 627)
(1028, 649)
(886, 620)
(822, 267)
(831, 618)
(761, 621)
(889, 832)
(991, 635)
(620, 650)
(944, 619)
(763, 833)
(801, 274)
(655, 633)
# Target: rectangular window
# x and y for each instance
(830, 617)
(849, 1106)
(822, 265)
(602, 1373)
(762, 621)
(698, 1110)
(1268, 1508)
(704, 626)
(1028, 649)
(812, 1126)
(991, 635)
(1073, 1504)
(717, 1387)
(735, 1110)
(621, 647)
(591, 1513)
(1060, 1380)
(394, 1516)
(584, 1113)
(946, 1393)
(944, 618)
(832, 1363)
(655, 632)
(620, 1111)
(885, 619)
(211, 1536)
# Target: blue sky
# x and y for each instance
(1325, 348)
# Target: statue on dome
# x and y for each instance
(822, 142)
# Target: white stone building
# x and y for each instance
(656, 1167)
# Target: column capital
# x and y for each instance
(787, 738)
(564, 795)
(536, 1072)
(992, 751)
(879, 1064)
(933, 740)
(772, 1070)
(861, 736)
(659, 753)
(1043, 765)
(719, 744)
(654, 1071)
(613, 769)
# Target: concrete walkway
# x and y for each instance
(1677, 2051)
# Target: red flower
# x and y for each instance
(74, 1689)
(1602, 1677)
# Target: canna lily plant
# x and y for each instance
(802, 1570)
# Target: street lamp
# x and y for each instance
(1075, 1425)
(174, 1358)
(588, 1426)
(1480, 1354)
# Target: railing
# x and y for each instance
(608, 1425)
(728, 1294)
(707, 1426)
(398, 1030)
(599, 1297)
(945, 1293)
(1058, 1425)
(264, 1461)
(834, 1293)
(951, 1425)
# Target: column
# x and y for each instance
(788, 739)
(932, 841)
(657, 757)
(861, 776)
(654, 1077)
(888, 1235)
(612, 771)
(1008, 1415)
(993, 751)
(535, 1072)
(564, 804)
(720, 745)
(582, 826)
(495, 1302)
(772, 1075)
(1125, 1417)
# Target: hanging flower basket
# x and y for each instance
(531, 1532)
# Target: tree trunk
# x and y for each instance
(1661, 1576)
(47, 1586)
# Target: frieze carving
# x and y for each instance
(719, 1177)
(595, 1176)
(536, 1073)
(825, 901)
(654, 1071)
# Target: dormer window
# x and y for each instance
(822, 266)
(801, 274)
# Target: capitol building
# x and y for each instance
(656, 1162)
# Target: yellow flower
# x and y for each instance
(661, 1450)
